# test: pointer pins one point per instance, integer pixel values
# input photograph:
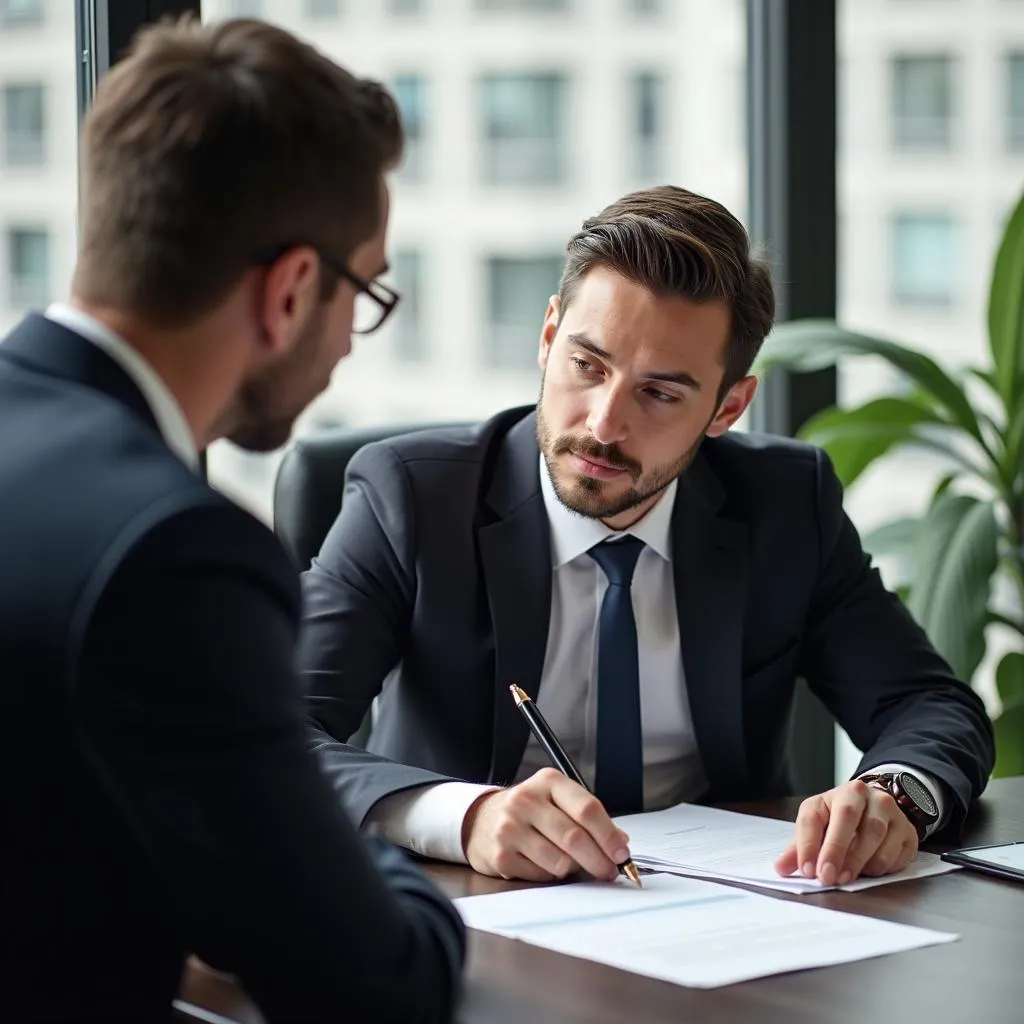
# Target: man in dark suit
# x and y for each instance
(159, 794)
(658, 583)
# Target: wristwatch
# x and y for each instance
(911, 796)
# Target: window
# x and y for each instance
(1015, 102)
(518, 289)
(21, 12)
(323, 8)
(24, 125)
(410, 93)
(524, 128)
(28, 264)
(645, 7)
(245, 8)
(647, 91)
(410, 338)
(922, 102)
(405, 6)
(924, 265)
(523, 5)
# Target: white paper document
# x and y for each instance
(687, 931)
(705, 842)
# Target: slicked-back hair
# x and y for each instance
(679, 244)
(208, 147)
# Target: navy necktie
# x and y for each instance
(619, 782)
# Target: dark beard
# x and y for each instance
(584, 495)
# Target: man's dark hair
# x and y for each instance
(209, 146)
(677, 243)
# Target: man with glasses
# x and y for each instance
(159, 795)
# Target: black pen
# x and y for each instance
(561, 760)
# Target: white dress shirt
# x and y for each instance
(170, 420)
(428, 820)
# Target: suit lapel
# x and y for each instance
(709, 567)
(516, 556)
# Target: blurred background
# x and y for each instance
(525, 116)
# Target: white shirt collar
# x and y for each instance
(166, 411)
(573, 534)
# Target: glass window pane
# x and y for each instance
(323, 8)
(922, 102)
(525, 128)
(410, 92)
(24, 124)
(522, 5)
(405, 6)
(647, 141)
(924, 259)
(28, 267)
(409, 329)
(1015, 102)
(518, 289)
(15, 13)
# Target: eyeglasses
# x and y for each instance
(375, 302)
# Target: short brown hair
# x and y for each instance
(209, 146)
(678, 243)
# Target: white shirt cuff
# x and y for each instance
(929, 782)
(427, 819)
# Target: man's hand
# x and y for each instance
(545, 828)
(852, 830)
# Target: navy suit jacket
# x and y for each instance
(438, 572)
(159, 797)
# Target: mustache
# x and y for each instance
(568, 444)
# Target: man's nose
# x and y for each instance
(607, 421)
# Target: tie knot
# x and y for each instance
(618, 559)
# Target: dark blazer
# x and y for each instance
(159, 796)
(439, 565)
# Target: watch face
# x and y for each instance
(917, 792)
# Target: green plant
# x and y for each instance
(965, 554)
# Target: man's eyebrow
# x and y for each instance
(682, 378)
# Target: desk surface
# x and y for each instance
(979, 978)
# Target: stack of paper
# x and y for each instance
(688, 932)
(705, 842)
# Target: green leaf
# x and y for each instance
(943, 486)
(1010, 678)
(1013, 444)
(955, 557)
(854, 438)
(804, 345)
(1009, 730)
(1006, 311)
(896, 538)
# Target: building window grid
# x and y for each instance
(924, 261)
(411, 95)
(518, 289)
(647, 145)
(1015, 102)
(22, 13)
(24, 124)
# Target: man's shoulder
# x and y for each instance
(764, 467)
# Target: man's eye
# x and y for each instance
(581, 364)
(662, 396)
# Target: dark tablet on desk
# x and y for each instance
(1003, 859)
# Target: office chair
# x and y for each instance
(308, 492)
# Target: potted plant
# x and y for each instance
(966, 552)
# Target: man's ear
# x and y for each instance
(733, 406)
(290, 293)
(548, 331)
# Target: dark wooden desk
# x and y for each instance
(978, 979)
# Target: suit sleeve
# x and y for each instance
(193, 721)
(876, 670)
(358, 600)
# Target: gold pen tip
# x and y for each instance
(518, 693)
(633, 874)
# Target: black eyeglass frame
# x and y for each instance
(386, 298)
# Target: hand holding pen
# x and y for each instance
(561, 760)
(543, 829)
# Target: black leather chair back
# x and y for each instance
(310, 484)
